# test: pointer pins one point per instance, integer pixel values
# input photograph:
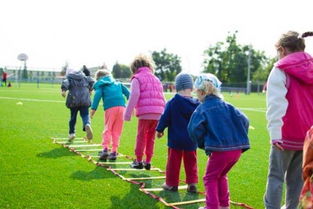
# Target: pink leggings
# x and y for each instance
(113, 127)
(145, 139)
(215, 179)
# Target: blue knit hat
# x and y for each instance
(183, 81)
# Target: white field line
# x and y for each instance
(253, 109)
(60, 101)
(32, 100)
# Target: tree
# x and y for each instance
(261, 74)
(121, 71)
(64, 68)
(167, 65)
(25, 74)
(229, 60)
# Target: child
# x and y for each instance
(78, 99)
(222, 131)
(147, 97)
(289, 115)
(111, 93)
(176, 117)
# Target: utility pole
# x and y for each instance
(248, 73)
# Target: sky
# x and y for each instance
(52, 32)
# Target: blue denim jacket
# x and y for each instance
(218, 126)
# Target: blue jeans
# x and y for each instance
(84, 114)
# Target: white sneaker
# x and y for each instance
(71, 137)
(88, 132)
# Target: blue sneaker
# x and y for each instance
(137, 165)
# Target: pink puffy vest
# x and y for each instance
(151, 99)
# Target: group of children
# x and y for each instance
(190, 124)
(207, 122)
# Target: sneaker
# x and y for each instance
(192, 188)
(137, 165)
(147, 165)
(112, 156)
(104, 154)
(71, 137)
(170, 188)
(89, 132)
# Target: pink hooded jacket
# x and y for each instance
(295, 111)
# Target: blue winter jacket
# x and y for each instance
(218, 126)
(111, 93)
(176, 117)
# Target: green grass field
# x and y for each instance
(35, 173)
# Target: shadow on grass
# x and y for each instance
(134, 199)
(181, 196)
(97, 173)
(56, 153)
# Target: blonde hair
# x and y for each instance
(101, 73)
(142, 61)
(209, 89)
(292, 41)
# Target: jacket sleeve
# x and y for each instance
(165, 119)
(133, 99)
(196, 128)
(96, 98)
(243, 118)
(65, 85)
(276, 103)
(125, 91)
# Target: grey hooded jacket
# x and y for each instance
(79, 87)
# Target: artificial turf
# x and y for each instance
(35, 173)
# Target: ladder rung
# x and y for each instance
(146, 178)
(161, 189)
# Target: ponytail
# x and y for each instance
(306, 34)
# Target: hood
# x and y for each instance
(298, 65)
(78, 75)
(104, 81)
(187, 104)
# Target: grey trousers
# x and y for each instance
(285, 166)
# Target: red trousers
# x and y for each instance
(145, 139)
(173, 166)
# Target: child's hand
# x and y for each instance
(278, 146)
(63, 93)
(127, 117)
(92, 113)
(160, 134)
